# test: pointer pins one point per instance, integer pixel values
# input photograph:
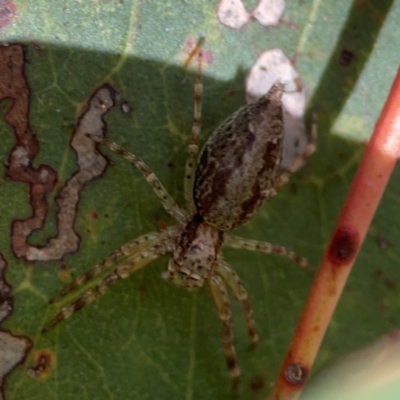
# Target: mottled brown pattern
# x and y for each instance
(197, 247)
(240, 162)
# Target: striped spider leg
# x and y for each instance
(238, 169)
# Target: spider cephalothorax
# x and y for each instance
(237, 171)
(194, 257)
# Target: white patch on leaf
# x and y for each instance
(273, 66)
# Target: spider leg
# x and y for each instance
(167, 201)
(299, 161)
(235, 283)
(124, 270)
(134, 246)
(193, 147)
(221, 299)
(237, 242)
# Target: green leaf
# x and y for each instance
(145, 338)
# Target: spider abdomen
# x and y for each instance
(239, 163)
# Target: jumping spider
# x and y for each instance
(236, 172)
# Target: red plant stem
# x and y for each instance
(354, 220)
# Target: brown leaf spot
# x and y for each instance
(257, 383)
(44, 361)
(64, 275)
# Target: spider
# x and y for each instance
(238, 169)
